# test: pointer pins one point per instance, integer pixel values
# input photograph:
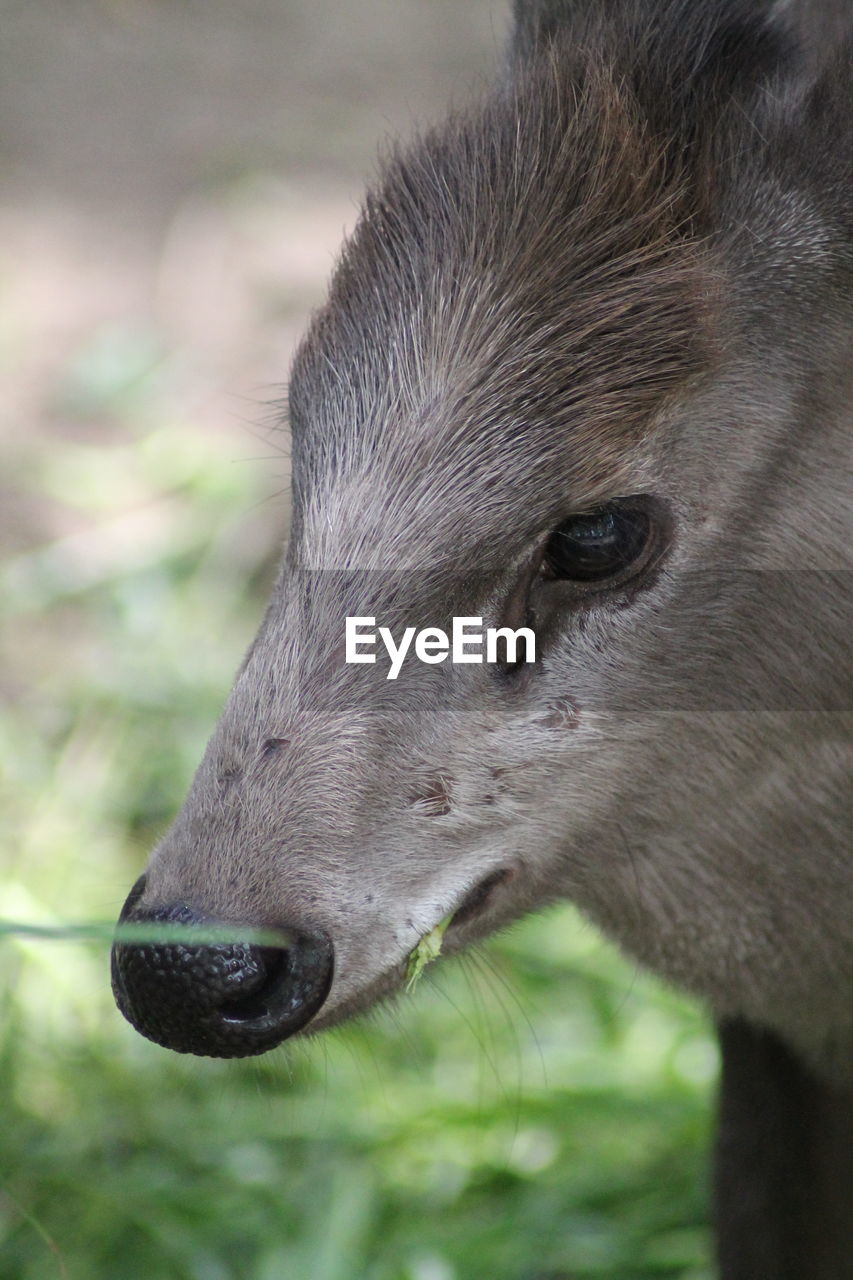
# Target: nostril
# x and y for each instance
(259, 998)
(228, 999)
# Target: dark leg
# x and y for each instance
(784, 1175)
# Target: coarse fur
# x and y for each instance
(627, 271)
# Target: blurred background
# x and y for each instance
(177, 178)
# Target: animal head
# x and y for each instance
(561, 381)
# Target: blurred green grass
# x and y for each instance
(536, 1111)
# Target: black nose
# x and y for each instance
(220, 1000)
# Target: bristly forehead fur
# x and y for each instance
(524, 288)
(529, 283)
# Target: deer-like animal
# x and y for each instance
(584, 368)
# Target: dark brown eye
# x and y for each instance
(599, 546)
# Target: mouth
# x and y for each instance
(460, 931)
(478, 899)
